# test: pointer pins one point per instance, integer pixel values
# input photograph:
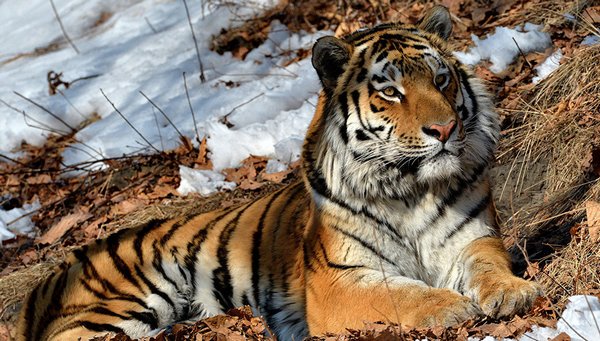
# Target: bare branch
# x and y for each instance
(73, 130)
(63, 28)
(187, 12)
(150, 25)
(129, 123)
(187, 94)
(163, 113)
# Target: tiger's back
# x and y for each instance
(137, 281)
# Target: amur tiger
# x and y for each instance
(392, 220)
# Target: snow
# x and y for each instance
(590, 40)
(17, 221)
(580, 320)
(548, 66)
(269, 102)
(200, 181)
(500, 49)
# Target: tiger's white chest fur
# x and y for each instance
(419, 240)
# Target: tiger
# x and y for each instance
(391, 218)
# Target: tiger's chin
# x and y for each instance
(441, 167)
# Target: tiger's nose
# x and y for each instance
(440, 132)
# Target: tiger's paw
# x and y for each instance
(449, 309)
(508, 297)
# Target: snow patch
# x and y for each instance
(200, 181)
(500, 49)
(580, 320)
(590, 40)
(548, 66)
(17, 221)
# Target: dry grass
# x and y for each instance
(15, 286)
(573, 271)
(549, 165)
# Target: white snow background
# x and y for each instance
(146, 45)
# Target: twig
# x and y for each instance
(592, 312)
(187, 12)
(62, 27)
(43, 126)
(70, 103)
(150, 25)
(187, 95)
(162, 146)
(73, 130)
(129, 123)
(84, 78)
(163, 113)
(224, 118)
(523, 55)
(13, 160)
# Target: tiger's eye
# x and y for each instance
(390, 91)
(440, 79)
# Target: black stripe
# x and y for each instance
(336, 265)
(464, 77)
(379, 79)
(355, 100)
(112, 245)
(54, 305)
(256, 243)
(472, 214)
(222, 287)
(141, 235)
(167, 236)
(454, 194)
(195, 245)
(157, 264)
(383, 55)
(364, 244)
(100, 327)
(343, 102)
(154, 289)
(107, 312)
(30, 313)
(145, 317)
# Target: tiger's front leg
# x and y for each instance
(337, 299)
(489, 281)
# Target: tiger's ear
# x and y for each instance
(329, 57)
(437, 20)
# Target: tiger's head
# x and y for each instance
(397, 111)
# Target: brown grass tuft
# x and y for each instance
(14, 288)
(549, 161)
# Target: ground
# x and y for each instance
(545, 177)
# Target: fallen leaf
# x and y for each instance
(127, 206)
(562, 337)
(202, 161)
(592, 210)
(277, 177)
(250, 184)
(591, 14)
(60, 228)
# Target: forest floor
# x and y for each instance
(545, 178)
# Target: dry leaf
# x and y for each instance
(202, 161)
(592, 14)
(562, 337)
(250, 184)
(277, 177)
(127, 206)
(592, 210)
(60, 228)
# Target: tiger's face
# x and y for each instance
(404, 106)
